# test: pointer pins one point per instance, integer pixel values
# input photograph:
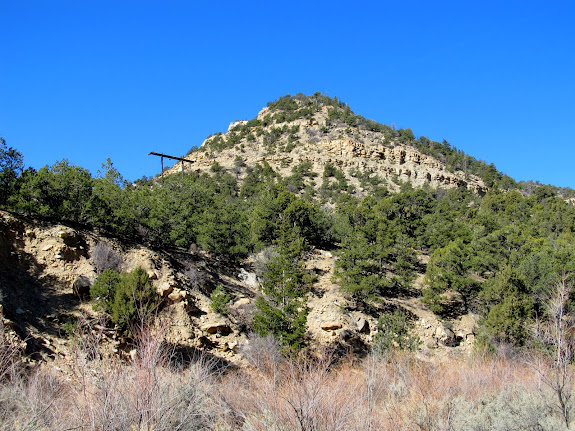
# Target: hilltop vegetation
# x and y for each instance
(274, 124)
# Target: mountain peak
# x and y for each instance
(325, 136)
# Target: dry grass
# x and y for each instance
(10, 353)
(100, 393)
(389, 393)
(395, 392)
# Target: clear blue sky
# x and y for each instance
(91, 79)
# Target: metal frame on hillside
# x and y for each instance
(169, 157)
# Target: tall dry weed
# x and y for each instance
(380, 392)
(98, 392)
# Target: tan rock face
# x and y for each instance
(186, 311)
(351, 150)
(164, 289)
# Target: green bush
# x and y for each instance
(394, 332)
(104, 288)
(282, 312)
(11, 166)
(128, 298)
(220, 299)
(508, 306)
(61, 191)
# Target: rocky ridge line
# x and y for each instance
(344, 147)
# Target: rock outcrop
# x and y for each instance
(354, 151)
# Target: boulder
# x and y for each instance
(363, 326)
(176, 295)
(164, 289)
(216, 327)
(445, 336)
(81, 287)
(330, 326)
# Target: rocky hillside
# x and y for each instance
(318, 131)
(309, 224)
(48, 269)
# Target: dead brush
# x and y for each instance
(291, 395)
(146, 393)
(28, 395)
(10, 353)
(104, 257)
(397, 391)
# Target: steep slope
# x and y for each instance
(47, 270)
(46, 265)
(318, 131)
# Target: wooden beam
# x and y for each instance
(170, 157)
(152, 153)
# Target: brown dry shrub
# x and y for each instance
(392, 392)
(105, 393)
(10, 352)
(105, 257)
